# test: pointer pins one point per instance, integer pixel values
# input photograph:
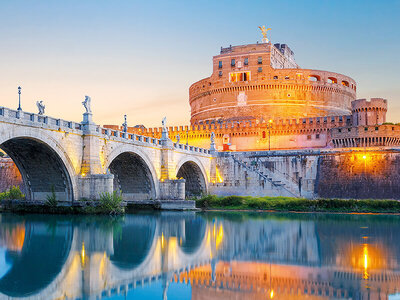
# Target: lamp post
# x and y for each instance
(269, 134)
(19, 98)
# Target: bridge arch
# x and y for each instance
(192, 170)
(42, 162)
(134, 173)
(195, 232)
(134, 243)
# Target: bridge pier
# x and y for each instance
(93, 179)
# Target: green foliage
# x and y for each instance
(51, 200)
(111, 203)
(1, 153)
(14, 193)
(298, 204)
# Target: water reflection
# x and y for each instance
(200, 256)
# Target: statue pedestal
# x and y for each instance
(87, 118)
(88, 124)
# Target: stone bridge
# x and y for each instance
(82, 160)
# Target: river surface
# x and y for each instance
(187, 255)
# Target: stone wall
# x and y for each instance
(362, 175)
(370, 173)
(9, 175)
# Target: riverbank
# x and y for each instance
(287, 204)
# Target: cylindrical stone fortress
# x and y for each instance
(263, 81)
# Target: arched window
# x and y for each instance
(263, 135)
(332, 80)
(314, 78)
(345, 83)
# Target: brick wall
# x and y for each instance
(9, 174)
(363, 175)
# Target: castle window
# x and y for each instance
(220, 64)
(314, 78)
(309, 137)
(317, 136)
(263, 135)
(259, 60)
(376, 128)
(246, 61)
(239, 76)
(366, 129)
(275, 77)
(233, 62)
(287, 77)
(220, 73)
(348, 129)
(259, 69)
(340, 130)
(345, 83)
(332, 80)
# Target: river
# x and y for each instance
(188, 255)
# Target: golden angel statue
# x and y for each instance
(264, 33)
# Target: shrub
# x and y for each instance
(111, 203)
(14, 193)
(207, 201)
(52, 199)
(232, 201)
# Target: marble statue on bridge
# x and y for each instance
(86, 104)
(40, 107)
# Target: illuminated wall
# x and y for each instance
(359, 175)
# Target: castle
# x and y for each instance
(258, 98)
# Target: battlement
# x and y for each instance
(249, 127)
(372, 104)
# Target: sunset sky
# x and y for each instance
(140, 57)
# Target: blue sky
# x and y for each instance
(140, 58)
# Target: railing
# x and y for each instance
(147, 140)
(38, 119)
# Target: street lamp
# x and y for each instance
(269, 134)
(19, 98)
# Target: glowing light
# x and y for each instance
(271, 294)
(83, 255)
(364, 157)
(220, 236)
(162, 240)
(219, 177)
(270, 121)
(83, 174)
(365, 250)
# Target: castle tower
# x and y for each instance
(371, 112)
(263, 81)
